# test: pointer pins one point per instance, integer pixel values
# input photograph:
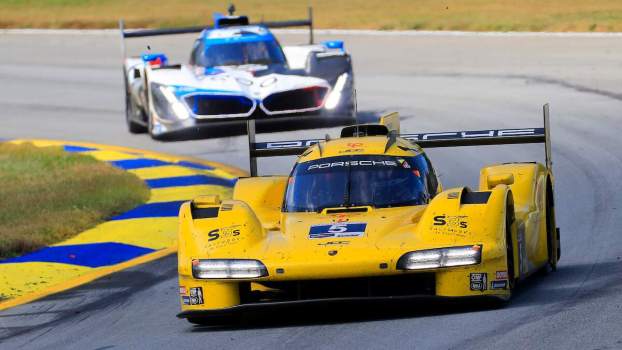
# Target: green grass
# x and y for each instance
(473, 15)
(48, 195)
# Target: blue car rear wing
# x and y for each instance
(425, 140)
(224, 21)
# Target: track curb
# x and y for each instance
(145, 230)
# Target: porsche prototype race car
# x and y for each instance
(365, 217)
(236, 71)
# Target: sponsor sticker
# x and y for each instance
(196, 296)
(501, 275)
(224, 236)
(473, 134)
(353, 163)
(478, 281)
(329, 243)
(352, 150)
(450, 224)
(182, 290)
(287, 144)
(185, 300)
(502, 284)
(404, 164)
(338, 229)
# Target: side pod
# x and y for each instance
(461, 217)
(531, 186)
(214, 230)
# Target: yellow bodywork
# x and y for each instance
(252, 226)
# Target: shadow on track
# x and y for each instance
(238, 128)
(552, 288)
(78, 304)
(351, 312)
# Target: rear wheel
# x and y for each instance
(552, 232)
(509, 243)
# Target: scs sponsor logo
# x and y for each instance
(225, 232)
(451, 221)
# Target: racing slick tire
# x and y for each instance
(552, 232)
(510, 223)
(150, 123)
(131, 112)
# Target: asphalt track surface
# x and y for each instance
(70, 87)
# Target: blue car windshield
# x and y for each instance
(363, 180)
(266, 52)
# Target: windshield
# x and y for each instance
(265, 52)
(377, 181)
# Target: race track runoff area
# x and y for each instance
(142, 234)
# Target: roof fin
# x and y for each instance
(391, 140)
(392, 122)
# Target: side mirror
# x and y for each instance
(498, 179)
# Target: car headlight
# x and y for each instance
(333, 99)
(442, 257)
(167, 104)
(228, 268)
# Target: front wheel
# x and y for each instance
(510, 225)
(132, 113)
(552, 231)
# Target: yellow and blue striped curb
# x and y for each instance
(142, 234)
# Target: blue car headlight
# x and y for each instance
(335, 95)
(166, 104)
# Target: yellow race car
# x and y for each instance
(363, 217)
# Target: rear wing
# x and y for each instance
(425, 140)
(139, 33)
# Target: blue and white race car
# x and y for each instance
(236, 71)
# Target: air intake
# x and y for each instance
(219, 105)
(299, 100)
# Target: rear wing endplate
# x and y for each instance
(425, 140)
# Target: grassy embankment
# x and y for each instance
(471, 15)
(48, 195)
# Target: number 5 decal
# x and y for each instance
(338, 228)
